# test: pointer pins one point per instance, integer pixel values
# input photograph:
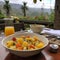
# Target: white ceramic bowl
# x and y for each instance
(27, 52)
(37, 28)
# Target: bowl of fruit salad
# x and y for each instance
(25, 44)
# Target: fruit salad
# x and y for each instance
(24, 43)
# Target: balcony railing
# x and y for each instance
(21, 24)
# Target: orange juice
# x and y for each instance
(9, 30)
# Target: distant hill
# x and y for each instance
(16, 10)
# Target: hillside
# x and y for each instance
(16, 10)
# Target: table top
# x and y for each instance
(45, 54)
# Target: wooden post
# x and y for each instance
(57, 14)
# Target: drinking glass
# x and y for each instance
(9, 28)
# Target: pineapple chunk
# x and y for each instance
(31, 39)
(20, 40)
(9, 43)
(25, 44)
(40, 45)
(13, 47)
(35, 38)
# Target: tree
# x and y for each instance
(7, 8)
(57, 14)
(24, 8)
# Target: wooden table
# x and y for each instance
(44, 55)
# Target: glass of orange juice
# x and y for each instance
(9, 30)
(9, 27)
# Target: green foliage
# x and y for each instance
(41, 17)
(47, 17)
(51, 17)
(26, 18)
(1, 15)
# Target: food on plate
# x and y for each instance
(24, 43)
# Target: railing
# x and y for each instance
(17, 26)
(48, 24)
(36, 22)
(23, 22)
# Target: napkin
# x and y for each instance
(51, 31)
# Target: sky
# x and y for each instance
(44, 3)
